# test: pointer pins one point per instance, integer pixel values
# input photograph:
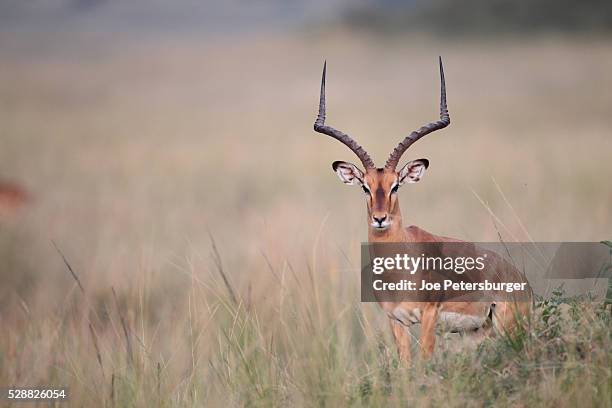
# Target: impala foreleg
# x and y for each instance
(402, 341)
(428, 329)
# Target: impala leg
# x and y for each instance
(428, 329)
(402, 341)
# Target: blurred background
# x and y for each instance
(135, 133)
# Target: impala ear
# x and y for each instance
(413, 171)
(348, 173)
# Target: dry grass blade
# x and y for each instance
(94, 337)
(159, 382)
(112, 390)
(128, 343)
(219, 264)
(72, 272)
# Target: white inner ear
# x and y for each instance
(349, 174)
(412, 172)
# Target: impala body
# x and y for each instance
(385, 224)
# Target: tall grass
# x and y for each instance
(296, 341)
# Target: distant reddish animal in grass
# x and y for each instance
(13, 198)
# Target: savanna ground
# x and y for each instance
(218, 253)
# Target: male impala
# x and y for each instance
(385, 224)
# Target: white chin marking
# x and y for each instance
(380, 227)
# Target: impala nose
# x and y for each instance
(380, 220)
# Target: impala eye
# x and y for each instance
(394, 189)
(366, 190)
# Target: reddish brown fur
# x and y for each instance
(12, 199)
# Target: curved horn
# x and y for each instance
(444, 121)
(319, 126)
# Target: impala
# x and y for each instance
(385, 224)
(12, 199)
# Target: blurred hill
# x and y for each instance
(482, 16)
(153, 15)
(441, 16)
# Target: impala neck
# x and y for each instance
(395, 233)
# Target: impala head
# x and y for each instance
(381, 185)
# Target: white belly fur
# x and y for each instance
(452, 321)
(448, 321)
